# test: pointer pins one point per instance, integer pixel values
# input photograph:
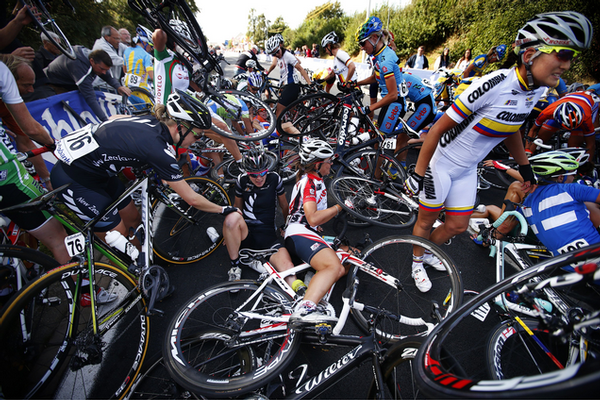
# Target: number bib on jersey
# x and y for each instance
(133, 80)
(76, 144)
(574, 245)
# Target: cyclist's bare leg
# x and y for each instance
(401, 142)
(329, 270)
(454, 225)
(230, 144)
(282, 262)
(422, 228)
(234, 231)
(52, 234)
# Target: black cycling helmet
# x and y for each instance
(255, 161)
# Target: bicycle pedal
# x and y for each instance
(323, 329)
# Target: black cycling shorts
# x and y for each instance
(261, 237)
(89, 196)
(289, 94)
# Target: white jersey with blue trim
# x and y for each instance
(287, 64)
(490, 110)
(559, 218)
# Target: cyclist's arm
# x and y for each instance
(284, 205)
(302, 72)
(351, 70)
(318, 217)
(24, 143)
(192, 198)
(159, 38)
(238, 202)
(272, 66)
(12, 29)
(28, 125)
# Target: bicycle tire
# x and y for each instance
(141, 100)
(316, 114)
(46, 364)
(372, 202)
(47, 24)
(176, 239)
(397, 370)
(214, 351)
(154, 382)
(195, 42)
(363, 164)
(452, 361)
(223, 100)
(393, 254)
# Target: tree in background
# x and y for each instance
(319, 22)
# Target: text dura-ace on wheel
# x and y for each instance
(180, 230)
(48, 346)
(215, 349)
(393, 255)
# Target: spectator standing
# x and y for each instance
(110, 42)
(418, 61)
(464, 60)
(307, 52)
(241, 65)
(443, 61)
(315, 51)
(65, 74)
(125, 36)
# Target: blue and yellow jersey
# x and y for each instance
(137, 65)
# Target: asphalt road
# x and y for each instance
(476, 267)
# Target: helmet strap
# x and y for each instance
(182, 135)
(528, 65)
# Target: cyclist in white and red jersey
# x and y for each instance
(490, 111)
(308, 210)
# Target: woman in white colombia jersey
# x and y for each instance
(490, 111)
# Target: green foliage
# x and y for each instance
(319, 22)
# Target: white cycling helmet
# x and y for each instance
(330, 38)
(183, 107)
(566, 28)
(255, 79)
(569, 115)
(273, 43)
(251, 64)
(315, 149)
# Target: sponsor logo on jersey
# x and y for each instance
(515, 92)
(485, 87)
(3, 175)
(428, 185)
(511, 117)
(511, 103)
(450, 135)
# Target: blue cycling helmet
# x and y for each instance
(143, 34)
(370, 26)
(501, 51)
(255, 79)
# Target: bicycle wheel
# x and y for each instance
(154, 382)
(178, 21)
(237, 109)
(373, 202)
(367, 164)
(316, 114)
(453, 363)
(224, 343)
(397, 370)
(48, 345)
(32, 263)
(47, 24)
(183, 240)
(141, 100)
(393, 255)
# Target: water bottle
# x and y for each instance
(363, 137)
(118, 241)
(212, 234)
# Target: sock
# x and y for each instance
(417, 262)
(235, 263)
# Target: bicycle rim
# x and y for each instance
(315, 115)
(372, 202)
(215, 350)
(233, 102)
(384, 167)
(47, 363)
(175, 238)
(47, 24)
(154, 382)
(397, 370)
(141, 101)
(453, 363)
(393, 255)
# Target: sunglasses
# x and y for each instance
(563, 53)
(363, 42)
(276, 51)
(257, 174)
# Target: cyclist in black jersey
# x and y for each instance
(136, 142)
(257, 191)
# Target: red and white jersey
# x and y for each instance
(309, 188)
